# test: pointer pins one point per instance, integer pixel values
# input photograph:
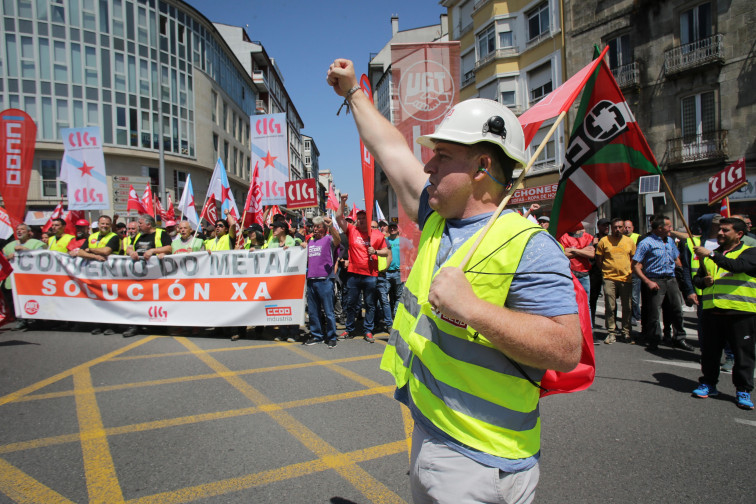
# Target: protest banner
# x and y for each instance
(83, 169)
(233, 288)
(270, 148)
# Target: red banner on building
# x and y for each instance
(533, 194)
(426, 83)
(727, 181)
(18, 134)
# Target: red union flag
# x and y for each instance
(727, 181)
(426, 79)
(18, 133)
(134, 203)
(301, 193)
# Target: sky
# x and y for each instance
(304, 37)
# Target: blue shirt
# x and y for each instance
(542, 285)
(657, 256)
(395, 251)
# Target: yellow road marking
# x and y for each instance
(102, 482)
(22, 488)
(371, 488)
(65, 374)
(184, 379)
(213, 350)
(223, 487)
(188, 420)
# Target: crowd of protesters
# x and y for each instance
(650, 277)
(346, 275)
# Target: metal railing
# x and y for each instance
(700, 52)
(627, 75)
(692, 148)
(468, 78)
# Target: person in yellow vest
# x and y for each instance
(469, 342)
(100, 244)
(729, 310)
(59, 239)
(132, 230)
(185, 242)
(225, 234)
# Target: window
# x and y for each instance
(179, 181)
(214, 106)
(215, 147)
(619, 51)
(539, 82)
(538, 21)
(486, 42)
(695, 24)
(506, 36)
(508, 98)
(698, 116)
(52, 187)
(548, 154)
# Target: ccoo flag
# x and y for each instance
(606, 153)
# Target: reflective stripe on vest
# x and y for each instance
(457, 379)
(731, 291)
(694, 241)
(59, 245)
(94, 240)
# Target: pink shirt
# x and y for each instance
(359, 262)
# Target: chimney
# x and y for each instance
(394, 24)
(444, 24)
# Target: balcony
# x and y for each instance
(699, 53)
(261, 107)
(480, 3)
(258, 77)
(694, 148)
(468, 78)
(627, 75)
(497, 54)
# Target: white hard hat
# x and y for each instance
(480, 120)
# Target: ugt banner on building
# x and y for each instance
(83, 169)
(18, 134)
(270, 148)
(426, 80)
(231, 288)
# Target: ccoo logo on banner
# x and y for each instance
(18, 134)
(83, 169)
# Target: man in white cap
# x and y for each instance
(470, 342)
(544, 222)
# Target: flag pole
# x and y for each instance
(512, 190)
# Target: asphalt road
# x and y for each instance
(162, 419)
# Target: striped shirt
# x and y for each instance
(657, 256)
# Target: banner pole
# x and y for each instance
(512, 190)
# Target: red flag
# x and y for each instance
(273, 212)
(6, 315)
(170, 214)
(368, 163)
(147, 201)
(557, 101)
(71, 218)
(159, 210)
(134, 202)
(333, 202)
(209, 211)
(253, 211)
(247, 203)
(353, 213)
(18, 133)
(724, 208)
(57, 214)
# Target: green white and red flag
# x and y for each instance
(606, 153)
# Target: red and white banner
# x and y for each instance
(6, 225)
(368, 163)
(727, 181)
(83, 169)
(533, 194)
(147, 201)
(134, 202)
(270, 148)
(18, 134)
(263, 288)
(301, 194)
(426, 78)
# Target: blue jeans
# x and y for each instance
(636, 298)
(367, 285)
(382, 285)
(396, 288)
(320, 297)
(585, 281)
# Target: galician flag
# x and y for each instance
(220, 188)
(606, 153)
(186, 204)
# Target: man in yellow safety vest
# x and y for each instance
(470, 342)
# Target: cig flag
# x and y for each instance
(83, 169)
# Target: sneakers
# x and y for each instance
(728, 365)
(744, 401)
(312, 341)
(703, 391)
(369, 337)
(345, 335)
(331, 344)
(611, 338)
